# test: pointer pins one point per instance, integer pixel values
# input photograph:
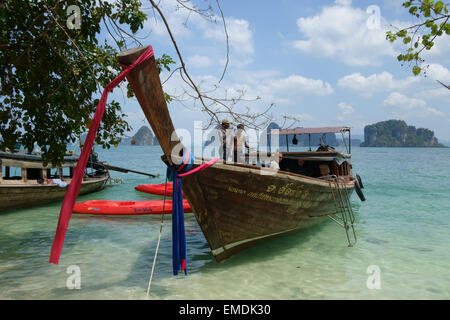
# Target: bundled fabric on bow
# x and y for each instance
(179, 251)
(175, 174)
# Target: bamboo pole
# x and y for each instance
(124, 170)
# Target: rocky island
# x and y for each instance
(143, 137)
(396, 133)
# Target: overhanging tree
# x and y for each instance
(432, 22)
(51, 76)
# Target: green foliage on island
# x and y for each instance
(396, 133)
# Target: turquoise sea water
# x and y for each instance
(402, 228)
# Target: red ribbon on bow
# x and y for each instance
(74, 186)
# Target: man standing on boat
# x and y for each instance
(225, 140)
(240, 139)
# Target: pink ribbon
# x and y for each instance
(199, 168)
(74, 186)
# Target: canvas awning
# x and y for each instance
(320, 156)
(312, 130)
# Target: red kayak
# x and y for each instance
(104, 207)
(156, 188)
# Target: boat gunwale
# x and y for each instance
(279, 174)
(29, 185)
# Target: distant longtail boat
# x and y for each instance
(26, 182)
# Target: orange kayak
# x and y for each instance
(156, 188)
(104, 207)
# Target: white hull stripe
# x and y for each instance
(234, 244)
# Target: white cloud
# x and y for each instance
(184, 24)
(396, 99)
(431, 89)
(345, 108)
(410, 106)
(239, 35)
(375, 83)
(260, 88)
(343, 2)
(439, 52)
(298, 83)
(433, 111)
(198, 61)
(176, 19)
(302, 117)
(438, 93)
(271, 87)
(283, 91)
(341, 32)
(438, 72)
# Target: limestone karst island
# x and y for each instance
(397, 133)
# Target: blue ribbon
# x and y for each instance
(179, 251)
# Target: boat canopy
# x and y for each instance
(309, 131)
(312, 130)
(31, 161)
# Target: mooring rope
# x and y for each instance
(159, 240)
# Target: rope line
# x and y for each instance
(159, 240)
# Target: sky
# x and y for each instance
(325, 62)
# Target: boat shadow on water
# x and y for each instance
(266, 249)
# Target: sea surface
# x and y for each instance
(402, 250)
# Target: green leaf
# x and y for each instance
(402, 33)
(413, 10)
(438, 6)
(416, 70)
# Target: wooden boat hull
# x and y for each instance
(238, 206)
(20, 196)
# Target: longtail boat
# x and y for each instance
(25, 181)
(236, 204)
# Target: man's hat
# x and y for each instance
(225, 121)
